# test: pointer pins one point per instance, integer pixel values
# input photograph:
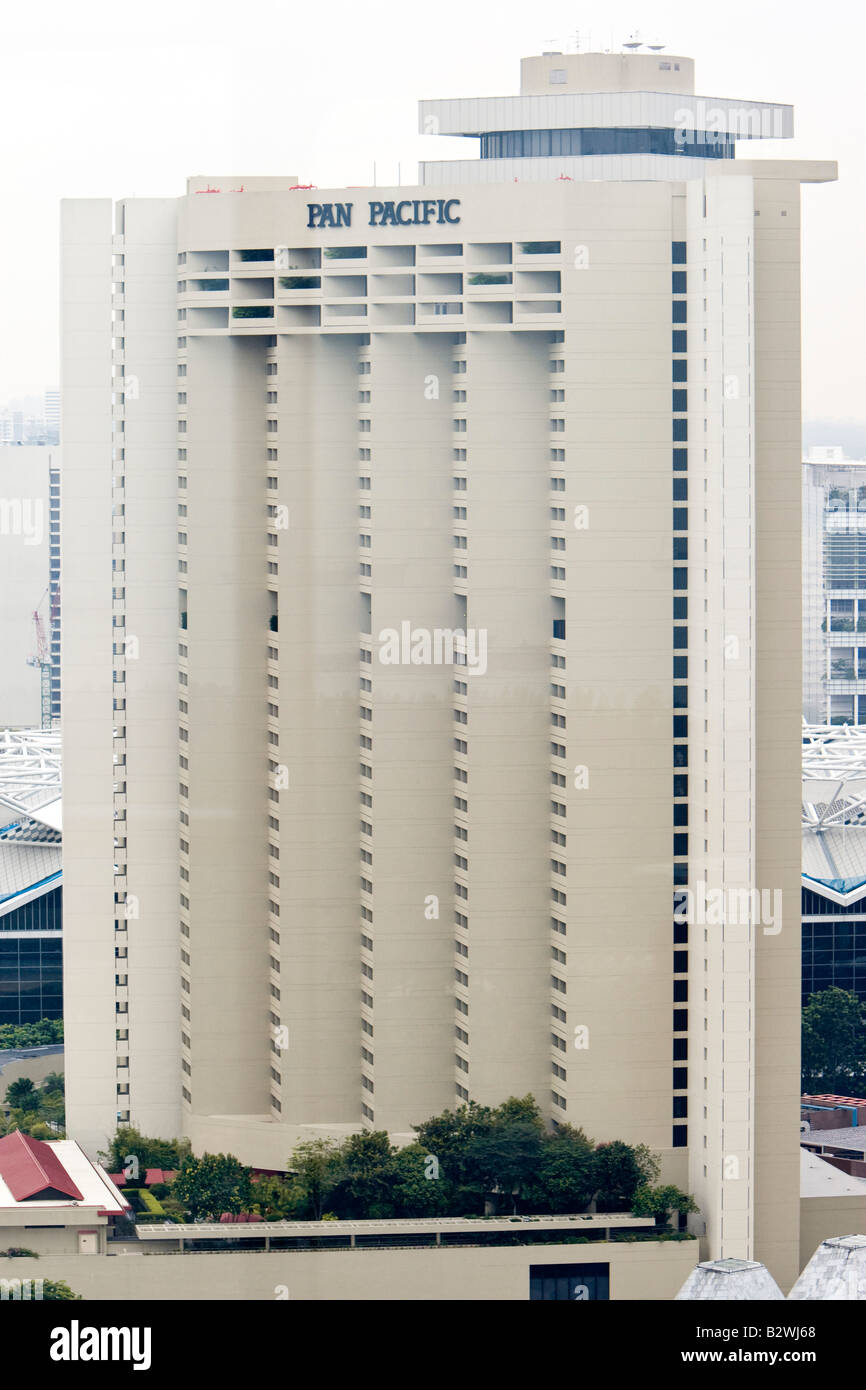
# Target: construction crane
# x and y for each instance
(42, 659)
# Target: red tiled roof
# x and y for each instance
(833, 1100)
(29, 1167)
(153, 1175)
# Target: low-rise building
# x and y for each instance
(53, 1198)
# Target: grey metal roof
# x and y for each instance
(728, 1280)
(852, 1138)
(836, 1272)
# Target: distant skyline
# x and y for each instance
(105, 102)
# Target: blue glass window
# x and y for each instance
(593, 140)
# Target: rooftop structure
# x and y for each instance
(834, 811)
(721, 1281)
(30, 775)
(599, 115)
(53, 1197)
(31, 875)
(836, 1272)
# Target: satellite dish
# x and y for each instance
(656, 47)
(631, 43)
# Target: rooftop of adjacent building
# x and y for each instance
(30, 777)
(52, 1174)
(851, 1138)
(834, 811)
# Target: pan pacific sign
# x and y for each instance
(412, 212)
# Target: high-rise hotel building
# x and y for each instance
(328, 866)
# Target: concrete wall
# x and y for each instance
(37, 1068)
(823, 1217)
(651, 1272)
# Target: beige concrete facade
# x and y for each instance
(405, 883)
(649, 1271)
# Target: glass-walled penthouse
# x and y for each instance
(542, 144)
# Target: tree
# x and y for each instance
(648, 1163)
(660, 1202)
(275, 1199)
(22, 1094)
(27, 1122)
(420, 1187)
(129, 1143)
(52, 1104)
(565, 1178)
(834, 1048)
(617, 1175)
(447, 1137)
(213, 1184)
(506, 1158)
(58, 1290)
(367, 1176)
(520, 1109)
(315, 1166)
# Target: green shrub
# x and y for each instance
(40, 1034)
(151, 1204)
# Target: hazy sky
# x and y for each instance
(103, 100)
